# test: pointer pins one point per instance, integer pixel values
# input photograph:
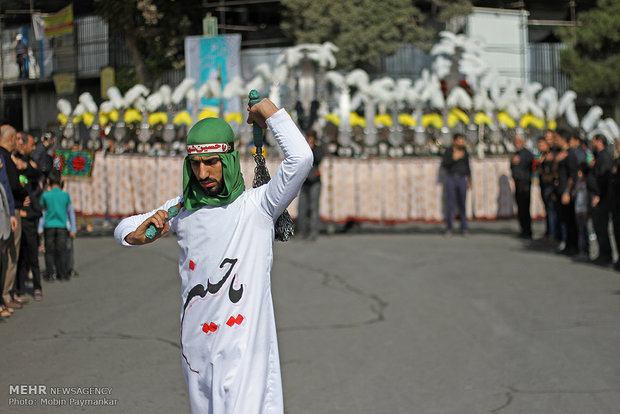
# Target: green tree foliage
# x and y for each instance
(364, 30)
(448, 9)
(153, 30)
(593, 59)
(367, 30)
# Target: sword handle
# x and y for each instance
(153, 231)
(257, 131)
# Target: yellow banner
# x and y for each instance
(64, 83)
(59, 23)
(107, 81)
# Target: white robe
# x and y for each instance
(228, 332)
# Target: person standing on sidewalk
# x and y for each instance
(521, 166)
(308, 220)
(455, 163)
(10, 250)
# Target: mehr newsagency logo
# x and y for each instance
(44, 395)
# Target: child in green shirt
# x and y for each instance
(56, 204)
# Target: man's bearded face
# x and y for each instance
(208, 171)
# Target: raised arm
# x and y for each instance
(292, 172)
(131, 231)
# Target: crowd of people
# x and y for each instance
(33, 207)
(579, 184)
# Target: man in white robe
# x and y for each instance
(225, 234)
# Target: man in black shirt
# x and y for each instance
(40, 155)
(599, 188)
(566, 165)
(29, 250)
(521, 166)
(10, 249)
(308, 221)
(614, 199)
(545, 172)
(458, 179)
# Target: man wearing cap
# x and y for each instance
(225, 234)
(21, 55)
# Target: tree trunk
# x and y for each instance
(136, 57)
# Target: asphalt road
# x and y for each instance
(404, 321)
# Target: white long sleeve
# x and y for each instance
(292, 172)
(279, 192)
(131, 223)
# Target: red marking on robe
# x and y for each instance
(209, 327)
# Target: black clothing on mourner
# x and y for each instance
(315, 174)
(567, 173)
(614, 202)
(546, 173)
(580, 155)
(614, 186)
(458, 177)
(456, 168)
(601, 174)
(567, 177)
(522, 176)
(599, 187)
(19, 192)
(29, 251)
(308, 218)
(44, 161)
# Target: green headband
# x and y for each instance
(212, 136)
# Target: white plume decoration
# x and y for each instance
(459, 98)
(336, 79)
(79, 109)
(154, 101)
(134, 93)
(115, 97)
(567, 108)
(106, 107)
(257, 83)
(441, 66)
(64, 106)
(165, 91)
(234, 87)
(89, 103)
(548, 101)
(191, 95)
(591, 119)
(443, 48)
(613, 128)
(181, 91)
(203, 91)
(482, 102)
(140, 104)
(608, 128)
(358, 78)
(280, 74)
(401, 89)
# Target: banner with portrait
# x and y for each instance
(207, 58)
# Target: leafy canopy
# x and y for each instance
(593, 59)
(364, 30)
(367, 30)
(154, 31)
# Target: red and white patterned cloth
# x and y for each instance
(373, 190)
